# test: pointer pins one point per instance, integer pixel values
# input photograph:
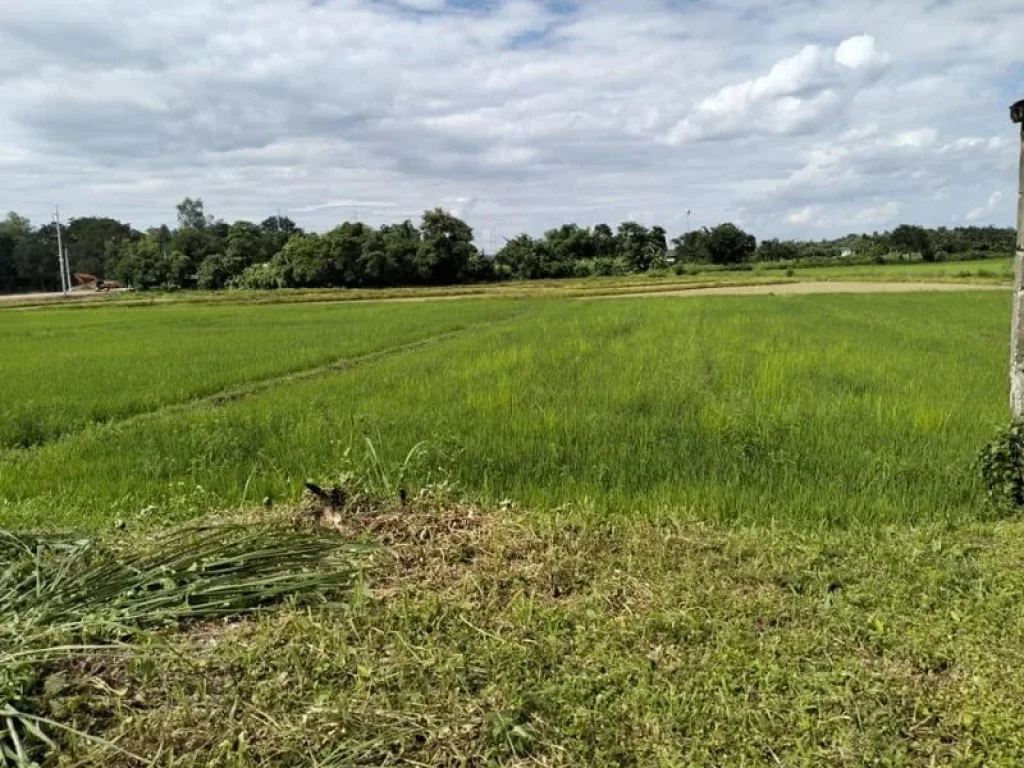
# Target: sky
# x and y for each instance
(791, 118)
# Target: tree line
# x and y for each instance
(207, 253)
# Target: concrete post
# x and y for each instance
(1016, 342)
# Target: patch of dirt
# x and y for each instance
(800, 288)
(73, 295)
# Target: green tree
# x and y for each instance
(247, 244)
(277, 230)
(35, 256)
(658, 238)
(907, 238)
(605, 246)
(389, 255)
(8, 270)
(180, 270)
(343, 249)
(16, 226)
(217, 271)
(523, 257)
(775, 250)
(303, 262)
(691, 247)
(634, 245)
(446, 248)
(194, 244)
(142, 264)
(88, 241)
(728, 244)
(568, 244)
(191, 214)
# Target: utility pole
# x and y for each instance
(1016, 343)
(65, 278)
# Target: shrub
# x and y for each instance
(262, 277)
(1002, 469)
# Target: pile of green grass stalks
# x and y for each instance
(64, 598)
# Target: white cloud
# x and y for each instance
(531, 113)
(802, 215)
(985, 211)
(860, 53)
(920, 137)
(879, 214)
(799, 92)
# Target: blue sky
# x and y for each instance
(790, 117)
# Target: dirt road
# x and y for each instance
(79, 295)
(793, 289)
(757, 289)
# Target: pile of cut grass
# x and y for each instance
(64, 601)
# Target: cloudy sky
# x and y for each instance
(790, 117)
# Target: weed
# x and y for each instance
(490, 638)
(1002, 468)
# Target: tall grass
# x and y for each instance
(63, 369)
(815, 410)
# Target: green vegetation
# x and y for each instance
(64, 369)
(65, 597)
(713, 531)
(634, 644)
(208, 254)
(982, 271)
(998, 270)
(742, 408)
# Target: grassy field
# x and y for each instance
(64, 369)
(815, 410)
(739, 530)
(999, 270)
(995, 270)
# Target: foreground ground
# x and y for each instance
(746, 530)
(489, 639)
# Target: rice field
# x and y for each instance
(716, 530)
(812, 410)
(63, 369)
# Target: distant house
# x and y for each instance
(846, 252)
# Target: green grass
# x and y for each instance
(997, 270)
(611, 644)
(814, 410)
(745, 531)
(993, 270)
(64, 369)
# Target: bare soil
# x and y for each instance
(795, 288)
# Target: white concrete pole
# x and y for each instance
(65, 279)
(1016, 343)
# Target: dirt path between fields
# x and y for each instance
(780, 288)
(796, 288)
(74, 295)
